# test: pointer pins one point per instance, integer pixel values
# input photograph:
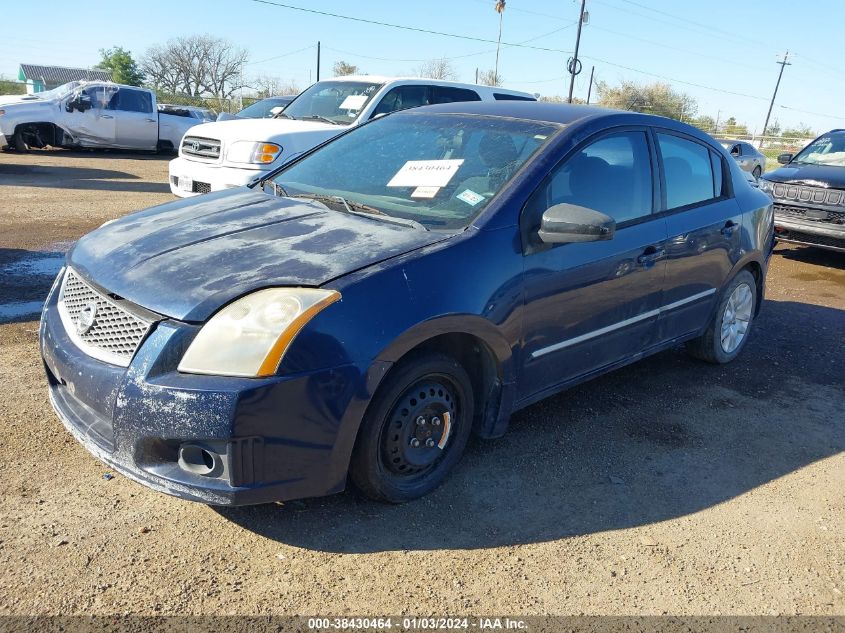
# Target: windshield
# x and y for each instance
(261, 109)
(333, 101)
(825, 150)
(59, 92)
(440, 170)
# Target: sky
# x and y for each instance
(722, 52)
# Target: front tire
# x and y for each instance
(415, 429)
(18, 142)
(730, 327)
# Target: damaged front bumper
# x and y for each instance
(212, 439)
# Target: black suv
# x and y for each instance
(809, 193)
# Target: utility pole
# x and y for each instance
(476, 75)
(573, 62)
(590, 89)
(318, 60)
(783, 64)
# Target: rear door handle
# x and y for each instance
(107, 116)
(150, 120)
(650, 256)
(729, 227)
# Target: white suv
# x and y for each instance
(216, 156)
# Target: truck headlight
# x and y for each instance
(249, 336)
(251, 152)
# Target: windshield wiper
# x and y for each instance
(283, 114)
(320, 117)
(358, 208)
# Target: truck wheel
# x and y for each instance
(728, 332)
(18, 142)
(415, 429)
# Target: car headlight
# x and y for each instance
(765, 186)
(251, 152)
(250, 336)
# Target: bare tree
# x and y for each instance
(267, 86)
(490, 78)
(342, 68)
(440, 68)
(196, 65)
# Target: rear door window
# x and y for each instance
(402, 98)
(129, 100)
(501, 96)
(447, 94)
(688, 171)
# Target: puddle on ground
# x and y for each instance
(17, 310)
(24, 282)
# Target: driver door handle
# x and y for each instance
(651, 255)
(107, 116)
(150, 120)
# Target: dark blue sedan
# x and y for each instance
(364, 309)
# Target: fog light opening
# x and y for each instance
(200, 461)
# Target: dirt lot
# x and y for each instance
(670, 486)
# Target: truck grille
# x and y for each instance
(97, 324)
(800, 193)
(207, 148)
(815, 215)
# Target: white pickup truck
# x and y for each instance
(216, 156)
(90, 114)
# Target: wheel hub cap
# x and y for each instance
(736, 318)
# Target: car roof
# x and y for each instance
(382, 79)
(563, 113)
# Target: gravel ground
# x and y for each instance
(670, 486)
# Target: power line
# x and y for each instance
(402, 26)
(269, 59)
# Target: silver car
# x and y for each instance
(746, 155)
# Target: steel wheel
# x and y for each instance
(736, 317)
(419, 427)
(415, 429)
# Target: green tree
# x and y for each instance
(656, 98)
(802, 130)
(705, 122)
(124, 69)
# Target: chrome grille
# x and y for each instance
(108, 331)
(200, 147)
(801, 193)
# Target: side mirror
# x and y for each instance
(564, 223)
(784, 159)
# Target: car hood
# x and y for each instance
(6, 100)
(261, 129)
(811, 175)
(186, 259)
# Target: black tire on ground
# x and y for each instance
(18, 142)
(709, 346)
(165, 147)
(385, 465)
(758, 171)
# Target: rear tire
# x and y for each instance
(730, 327)
(18, 142)
(758, 171)
(415, 429)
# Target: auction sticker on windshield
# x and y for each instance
(470, 197)
(426, 173)
(353, 102)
